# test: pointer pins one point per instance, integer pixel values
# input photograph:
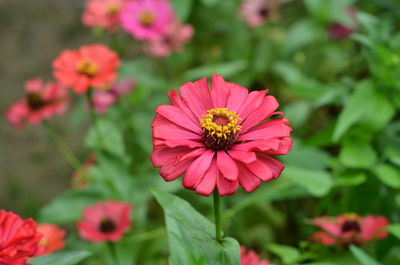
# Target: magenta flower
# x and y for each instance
(339, 31)
(256, 12)
(146, 19)
(250, 257)
(175, 37)
(42, 101)
(102, 100)
(219, 137)
(105, 221)
(349, 229)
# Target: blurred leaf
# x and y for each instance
(289, 255)
(68, 207)
(142, 70)
(351, 179)
(394, 229)
(389, 175)
(297, 112)
(227, 69)
(306, 157)
(362, 257)
(317, 182)
(189, 229)
(209, 2)
(357, 154)
(303, 32)
(61, 258)
(329, 10)
(106, 135)
(182, 8)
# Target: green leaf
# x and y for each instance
(362, 257)
(106, 135)
(302, 33)
(68, 206)
(182, 8)
(61, 258)
(306, 157)
(226, 69)
(351, 179)
(192, 236)
(389, 175)
(289, 255)
(357, 154)
(297, 112)
(317, 182)
(394, 229)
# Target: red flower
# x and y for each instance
(42, 101)
(92, 65)
(249, 257)
(102, 13)
(339, 31)
(19, 239)
(219, 137)
(349, 229)
(105, 221)
(53, 237)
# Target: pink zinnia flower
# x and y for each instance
(102, 13)
(53, 237)
(349, 229)
(256, 12)
(340, 31)
(102, 100)
(19, 239)
(176, 36)
(219, 137)
(146, 19)
(42, 101)
(105, 221)
(249, 257)
(89, 66)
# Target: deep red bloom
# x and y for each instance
(19, 239)
(105, 221)
(53, 237)
(89, 66)
(349, 229)
(42, 101)
(250, 257)
(341, 31)
(219, 136)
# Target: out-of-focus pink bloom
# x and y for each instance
(340, 31)
(250, 257)
(256, 12)
(53, 237)
(42, 101)
(219, 136)
(146, 19)
(102, 100)
(105, 221)
(176, 36)
(19, 239)
(102, 13)
(349, 229)
(89, 66)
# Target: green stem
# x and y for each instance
(217, 215)
(62, 146)
(113, 252)
(94, 118)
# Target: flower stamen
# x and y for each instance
(87, 67)
(220, 128)
(146, 18)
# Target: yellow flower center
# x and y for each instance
(87, 67)
(220, 127)
(113, 8)
(146, 18)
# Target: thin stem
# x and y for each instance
(94, 118)
(63, 147)
(217, 215)
(113, 252)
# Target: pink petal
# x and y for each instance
(219, 91)
(267, 130)
(374, 227)
(207, 184)
(323, 238)
(248, 180)
(329, 225)
(173, 132)
(265, 167)
(197, 97)
(252, 102)
(260, 114)
(226, 187)
(242, 156)
(178, 117)
(197, 169)
(237, 96)
(227, 166)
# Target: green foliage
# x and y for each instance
(62, 258)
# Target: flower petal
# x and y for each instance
(197, 170)
(247, 179)
(265, 167)
(268, 106)
(227, 166)
(207, 184)
(226, 187)
(197, 97)
(219, 91)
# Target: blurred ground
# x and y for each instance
(33, 32)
